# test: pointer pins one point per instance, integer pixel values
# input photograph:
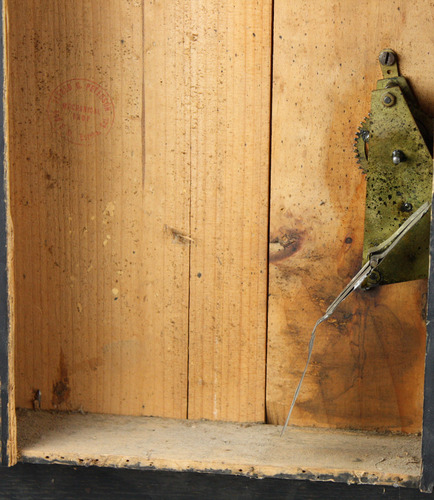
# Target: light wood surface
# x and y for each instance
(8, 349)
(141, 218)
(101, 280)
(116, 222)
(243, 449)
(368, 362)
(230, 81)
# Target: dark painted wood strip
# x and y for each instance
(26, 481)
(4, 313)
(427, 479)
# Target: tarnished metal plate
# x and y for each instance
(395, 191)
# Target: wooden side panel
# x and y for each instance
(368, 361)
(8, 440)
(230, 68)
(100, 177)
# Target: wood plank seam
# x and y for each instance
(270, 150)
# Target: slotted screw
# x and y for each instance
(387, 58)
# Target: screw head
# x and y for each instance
(387, 58)
(388, 99)
(373, 280)
(398, 156)
(406, 207)
(364, 134)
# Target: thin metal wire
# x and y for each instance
(376, 255)
(294, 399)
(348, 290)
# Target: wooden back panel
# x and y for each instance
(139, 159)
(139, 146)
(368, 362)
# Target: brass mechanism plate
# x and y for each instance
(396, 190)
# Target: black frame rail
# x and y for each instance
(427, 476)
(4, 303)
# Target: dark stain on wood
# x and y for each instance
(61, 389)
(287, 242)
(353, 370)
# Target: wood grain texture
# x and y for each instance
(101, 280)
(230, 83)
(8, 444)
(254, 450)
(368, 361)
(111, 228)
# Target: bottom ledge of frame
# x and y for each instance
(254, 450)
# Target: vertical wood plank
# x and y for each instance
(167, 204)
(367, 366)
(230, 71)
(99, 178)
(8, 440)
(106, 230)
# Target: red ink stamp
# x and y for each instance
(81, 110)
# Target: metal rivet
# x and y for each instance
(364, 134)
(387, 58)
(373, 279)
(388, 99)
(398, 156)
(406, 207)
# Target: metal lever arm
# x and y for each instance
(378, 254)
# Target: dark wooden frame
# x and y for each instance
(427, 477)
(36, 481)
(4, 304)
(427, 474)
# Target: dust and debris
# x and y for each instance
(108, 213)
(316, 454)
(109, 209)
